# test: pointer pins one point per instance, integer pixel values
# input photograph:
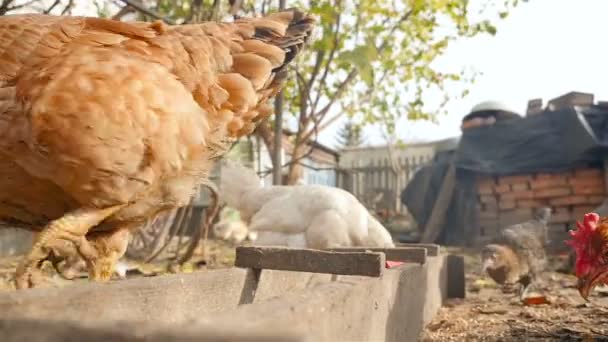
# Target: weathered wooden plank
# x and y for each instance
(431, 248)
(404, 254)
(442, 203)
(308, 260)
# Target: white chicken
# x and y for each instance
(231, 228)
(302, 216)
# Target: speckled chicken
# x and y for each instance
(519, 256)
(104, 124)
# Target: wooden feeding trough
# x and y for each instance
(273, 294)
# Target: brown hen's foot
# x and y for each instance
(66, 259)
(37, 278)
(71, 227)
(109, 246)
(71, 267)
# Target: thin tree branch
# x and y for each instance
(405, 17)
(183, 224)
(203, 230)
(173, 229)
(354, 72)
(316, 68)
(215, 10)
(302, 138)
(50, 8)
(364, 98)
(68, 7)
(16, 7)
(305, 88)
(330, 59)
(138, 6)
(122, 12)
(235, 6)
(341, 89)
(263, 131)
(293, 161)
(4, 6)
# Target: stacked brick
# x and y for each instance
(507, 200)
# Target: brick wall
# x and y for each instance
(507, 200)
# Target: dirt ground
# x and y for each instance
(488, 314)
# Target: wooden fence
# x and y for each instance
(376, 184)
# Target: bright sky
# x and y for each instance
(545, 48)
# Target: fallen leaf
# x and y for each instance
(438, 325)
(601, 290)
(483, 283)
(187, 268)
(452, 302)
(568, 284)
(490, 311)
(537, 300)
(474, 289)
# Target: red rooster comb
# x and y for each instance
(582, 242)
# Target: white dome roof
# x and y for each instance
(492, 105)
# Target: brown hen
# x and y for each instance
(105, 123)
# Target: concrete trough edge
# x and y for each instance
(394, 307)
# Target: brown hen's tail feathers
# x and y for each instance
(299, 31)
(288, 30)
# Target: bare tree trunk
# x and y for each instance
(264, 133)
(295, 168)
(278, 142)
(278, 131)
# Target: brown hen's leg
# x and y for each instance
(109, 247)
(65, 259)
(71, 227)
(68, 267)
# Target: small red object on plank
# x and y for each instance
(391, 264)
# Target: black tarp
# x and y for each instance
(550, 142)
(422, 191)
